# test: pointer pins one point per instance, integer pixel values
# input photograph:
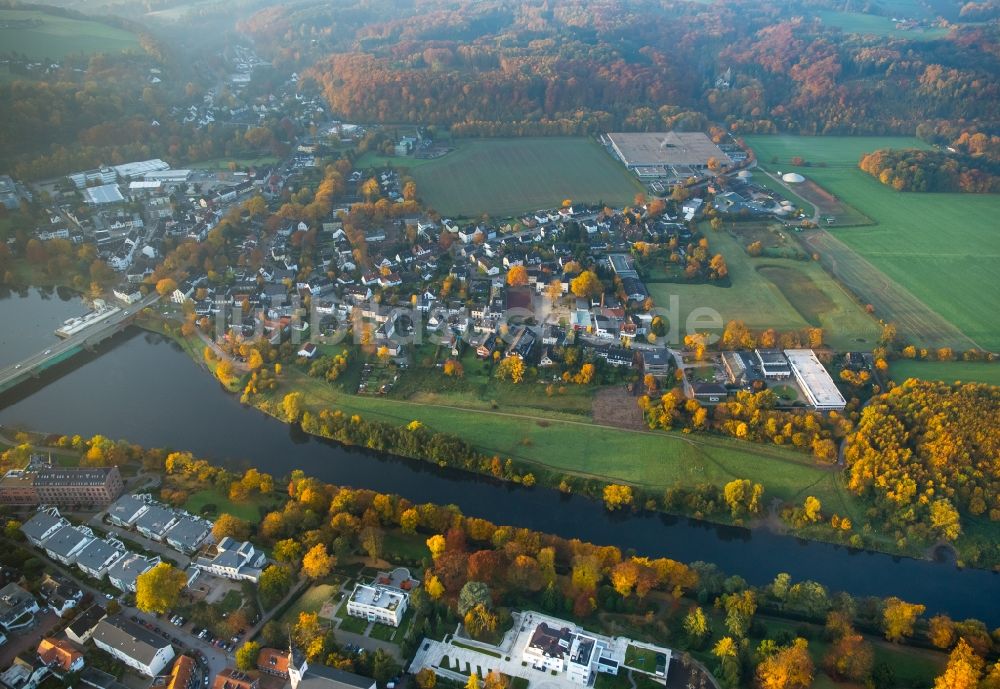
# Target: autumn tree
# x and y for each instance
(517, 276)
(453, 368)
(512, 368)
(898, 618)
(850, 658)
(246, 656)
(158, 589)
(317, 563)
(789, 668)
(963, 670)
(617, 496)
(740, 608)
(696, 625)
(292, 406)
(426, 678)
(275, 582)
(941, 631)
(474, 593)
(727, 651)
(586, 284)
(309, 636)
(166, 286)
(231, 526)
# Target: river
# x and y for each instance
(143, 388)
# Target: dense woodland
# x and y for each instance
(916, 170)
(924, 452)
(513, 68)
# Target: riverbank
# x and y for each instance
(578, 455)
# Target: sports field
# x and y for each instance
(783, 294)
(941, 249)
(55, 37)
(947, 371)
(874, 25)
(503, 177)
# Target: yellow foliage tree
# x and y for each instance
(317, 563)
(158, 589)
(963, 670)
(617, 496)
(898, 618)
(789, 668)
(517, 276)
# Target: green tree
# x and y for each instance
(275, 582)
(246, 656)
(474, 593)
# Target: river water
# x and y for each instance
(143, 388)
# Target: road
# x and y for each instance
(9, 376)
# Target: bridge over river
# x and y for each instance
(83, 338)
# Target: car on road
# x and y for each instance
(109, 596)
(47, 351)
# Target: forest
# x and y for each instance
(569, 67)
(916, 170)
(924, 451)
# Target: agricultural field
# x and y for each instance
(783, 294)
(938, 251)
(504, 177)
(49, 36)
(947, 371)
(874, 25)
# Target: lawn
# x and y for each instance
(310, 601)
(874, 25)
(768, 293)
(232, 601)
(249, 510)
(640, 658)
(947, 371)
(407, 546)
(55, 37)
(504, 177)
(653, 460)
(940, 249)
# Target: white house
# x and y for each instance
(234, 560)
(135, 646)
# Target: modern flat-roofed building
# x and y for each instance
(773, 363)
(140, 168)
(815, 381)
(378, 604)
(647, 153)
(136, 646)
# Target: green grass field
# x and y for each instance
(310, 601)
(652, 460)
(249, 510)
(874, 25)
(771, 293)
(941, 248)
(503, 177)
(57, 37)
(947, 371)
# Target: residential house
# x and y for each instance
(155, 522)
(66, 543)
(60, 593)
(24, 673)
(60, 656)
(83, 625)
(234, 560)
(42, 525)
(123, 573)
(127, 509)
(188, 533)
(134, 645)
(230, 678)
(17, 608)
(98, 555)
(657, 362)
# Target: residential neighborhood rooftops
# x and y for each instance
(59, 653)
(43, 524)
(98, 554)
(14, 602)
(189, 532)
(155, 520)
(127, 508)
